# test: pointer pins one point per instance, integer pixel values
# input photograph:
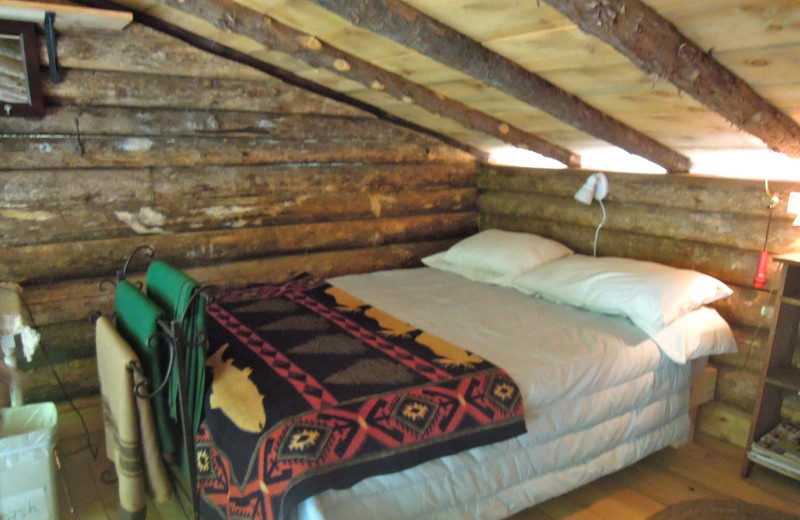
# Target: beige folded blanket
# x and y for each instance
(131, 442)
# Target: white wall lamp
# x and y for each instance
(595, 188)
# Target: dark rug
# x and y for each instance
(706, 509)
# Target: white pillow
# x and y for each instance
(699, 333)
(496, 256)
(652, 295)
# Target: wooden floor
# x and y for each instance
(704, 468)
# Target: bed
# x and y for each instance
(598, 397)
(604, 378)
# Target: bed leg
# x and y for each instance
(702, 391)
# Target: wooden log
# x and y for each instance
(74, 300)
(744, 306)
(737, 387)
(657, 47)
(29, 227)
(134, 152)
(140, 49)
(752, 343)
(130, 122)
(61, 261)
(244, 21)
(298, 179)
(149, 90)
(753, 346)
(77, 299)
(62, 342)
(50, 189)
(736, 392)
(732, 266)
(412, 28)
(59, 188)
(695, 192)
(723, 421)
(733, 230)
(78, 379)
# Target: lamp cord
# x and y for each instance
(772, 203)
(597, 231)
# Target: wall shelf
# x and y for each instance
(67, 16)
(788, 378)
(779, 377)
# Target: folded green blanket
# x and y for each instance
(172, 290)
(137, 323)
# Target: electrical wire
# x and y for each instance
(763, 318)
(759, 325)
(597, 231)
(88, 446)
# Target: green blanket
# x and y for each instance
(172, 290)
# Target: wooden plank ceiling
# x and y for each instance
(660, 79)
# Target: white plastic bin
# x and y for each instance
(28, 436)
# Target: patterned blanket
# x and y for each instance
(313, 389)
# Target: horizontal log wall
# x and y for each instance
(225, 171)
(713, 225)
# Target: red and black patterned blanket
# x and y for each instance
(313, 389)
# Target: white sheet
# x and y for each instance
(598, 396)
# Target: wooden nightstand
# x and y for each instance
(778, 376)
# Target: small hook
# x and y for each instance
(100, 286)
(149, 253)
(137, 388)
(93, 317)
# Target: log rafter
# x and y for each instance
(404, 24)
(236, 18)
(657, 47)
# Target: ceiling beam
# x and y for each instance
(404, 24)
(239, 19)
(656, 46)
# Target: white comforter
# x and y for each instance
(598, 396)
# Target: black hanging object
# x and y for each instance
(50, 39)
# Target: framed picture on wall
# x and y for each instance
(20, 76)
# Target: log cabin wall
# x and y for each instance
(713, 225)
(225, 171)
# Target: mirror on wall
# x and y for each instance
(20, 79)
